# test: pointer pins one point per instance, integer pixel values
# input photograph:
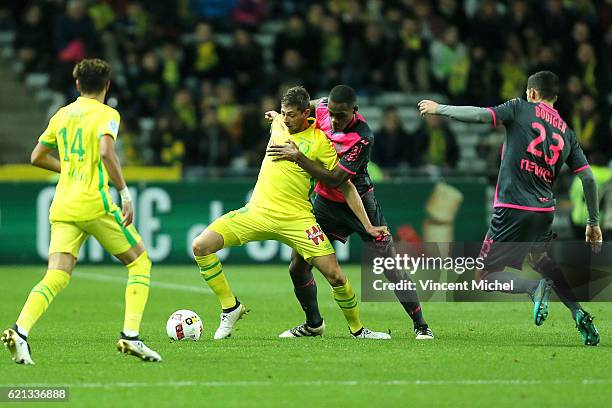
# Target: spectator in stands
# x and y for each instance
(483, 79)
(133, 27)
(374, 45)
(74, 32)
(586, 67)
(75, 39)
(213, 146)
(294, 71)
(170, 60)
(32, 41)
(512, 75)
(129, 144)
(449, 63)
(148, 85)
(332, 52)
(298, 37)
(587, 123)
(246, 65)
(413, 63)
(168, 146)
(392, 144)
(485, 27)
(205, 55)
(229, 113)
(435, 144)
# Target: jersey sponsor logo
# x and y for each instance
(315, 234)
(539, 171)
(354, 153)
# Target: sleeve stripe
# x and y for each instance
(494, 117)
(47, 144)
(579, 169)
(347, 170)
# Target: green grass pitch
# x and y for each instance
(485, 354)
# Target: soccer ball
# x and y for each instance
(184, 325)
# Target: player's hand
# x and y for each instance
(593, 237)
(378, 231)
(427, 107)
(288, 151)
(128, 212)
(270, 115)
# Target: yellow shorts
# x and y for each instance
(68, 236)
(300, 231)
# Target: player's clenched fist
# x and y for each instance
(270, 115)
(593, 236)
(427, 107)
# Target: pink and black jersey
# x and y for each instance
(353, 146)
(538, 142)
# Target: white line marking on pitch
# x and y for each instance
(160, 285)
(314, 383)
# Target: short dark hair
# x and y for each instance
(546, 83)
(298, 97)
(343, 94)
(92, 74)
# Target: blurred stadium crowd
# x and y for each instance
(192, 78)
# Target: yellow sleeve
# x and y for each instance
(109, 124)
(326, 153)
(49, 136)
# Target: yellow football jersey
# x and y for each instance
(283, 186)
(75, 130)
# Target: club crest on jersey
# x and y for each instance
(315, 234)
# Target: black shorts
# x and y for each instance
(512, 235)
(338, 221)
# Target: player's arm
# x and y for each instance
(589, 186)
(113, 167)
(471, 114)
(356, 205)
(314, 103)
(332, 178)
(41, 157)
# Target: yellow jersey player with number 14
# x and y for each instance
(84, 133)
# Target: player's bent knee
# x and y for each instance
(207, 243)
(61, 261)
(299, 267)
(335, 277)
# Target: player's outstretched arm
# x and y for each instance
(471, 114)
(113, 167)
(593, 232)
(313, 105)
(356, 205)
(41, 157)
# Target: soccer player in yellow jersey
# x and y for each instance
(280, 209)
(84, 133)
